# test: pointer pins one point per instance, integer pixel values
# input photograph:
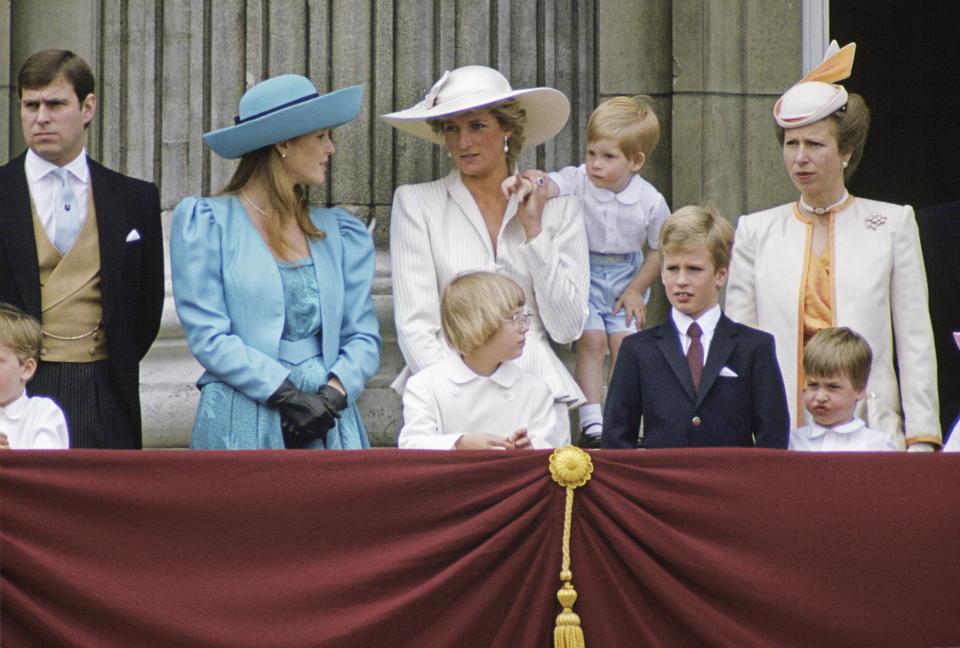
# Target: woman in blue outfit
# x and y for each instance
(273, 295)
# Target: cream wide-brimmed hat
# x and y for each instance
(471, 87)
(816, 95)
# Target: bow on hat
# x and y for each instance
(817, 95)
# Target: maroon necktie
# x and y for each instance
(695, 355)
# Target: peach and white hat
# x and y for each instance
(816, 95)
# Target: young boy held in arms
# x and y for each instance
(836, 367)
(480, 400)
(25, 422)
(700, 379)
(622, 212)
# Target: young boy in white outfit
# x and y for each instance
(25, 422)
(836, 366)
(622, 212)
(480, 400)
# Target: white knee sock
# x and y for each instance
(591, 413)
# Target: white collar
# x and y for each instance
(707, 320)
(37, 168)
(817, 430)
(505, 375)
(16, 409)
(629, 195)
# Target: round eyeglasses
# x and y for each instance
(519, 319)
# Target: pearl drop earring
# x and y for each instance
(506, 146)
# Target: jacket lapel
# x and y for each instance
(464, 200)
(327, 255)
(17, 236)
(668, 341)
(721, 346)
(113, 228)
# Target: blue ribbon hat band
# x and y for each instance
(239, 120)
(281, 108)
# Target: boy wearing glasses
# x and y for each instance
(480, 400)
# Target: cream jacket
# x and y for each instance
(880, 291)
(437, 233)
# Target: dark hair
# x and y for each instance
(42, 68)
(851, 125)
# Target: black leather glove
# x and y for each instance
(304, 416)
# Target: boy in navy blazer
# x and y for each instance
(700, 379)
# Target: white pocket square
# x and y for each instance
(727, 372)
(134, 235)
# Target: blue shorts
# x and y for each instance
(610, 274)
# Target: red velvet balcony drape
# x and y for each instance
(400, 548)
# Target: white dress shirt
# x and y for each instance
(617, 223)
(447, 400)
(35, 423)
(44, 186)
(852, 436)
(708, 324)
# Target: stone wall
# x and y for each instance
(169, 71)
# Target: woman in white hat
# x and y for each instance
(273, 295)
(832, 259)
(463, 223)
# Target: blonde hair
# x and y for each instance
(628, 121)
(20, 331)
(474, 305)
(838, 350)
(694, 227)
(287, 201)
(510, 115)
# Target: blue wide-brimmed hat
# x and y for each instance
(281, 108)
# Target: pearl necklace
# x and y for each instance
(253, 204)
(820, 211)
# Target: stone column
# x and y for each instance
(732, 59)
(634, 58)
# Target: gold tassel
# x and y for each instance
(570, 467)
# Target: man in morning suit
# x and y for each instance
(700, 379)
(81, 249)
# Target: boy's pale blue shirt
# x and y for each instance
(617, 223)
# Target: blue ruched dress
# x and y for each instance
(226, 419)
(240, 308)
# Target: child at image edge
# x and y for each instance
(480, 399)
(836, 367)
(26, 423)
(622, 211)
(699, 379)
